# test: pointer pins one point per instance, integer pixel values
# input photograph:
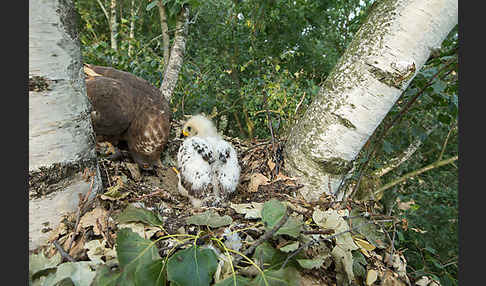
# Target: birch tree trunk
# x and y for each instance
(62, 155)
(131, 35)
(113, 25)
(165, 34)
(171, 73)
(384, 56)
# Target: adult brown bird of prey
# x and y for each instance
(127, 107)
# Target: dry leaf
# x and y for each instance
(398, 262)
(389, 279)
(418, 230)
(404, 205)
(344, 261)
(105, 148)
(364, 246)
(97, 250)
(134, 171)
(309, 280)
(89, 72)
(113, 193)
(141, 229)
(78, 247)
(424, 281)
(332, 219)
(89, 219)
(256, 180)
(404, 224)
(58, 232)
(250, 210)
(271, 164)
(371, 277)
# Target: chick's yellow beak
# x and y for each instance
(184, 132)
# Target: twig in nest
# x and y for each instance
(159, 191)
(253, 147)
(104, 233)
(81, 206)
(179, 246)
(326, 231)
(63, 253)
(264, 237)
(329, 184)
(106, 172)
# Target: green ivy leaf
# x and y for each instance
(358, 269)
(290, 247)
(193, 266)
(238, 280)
(291, 227)
(288, 276)
(151, 5)
(80, 273)
(134, 214)
(359, 262)
(444, 118)
(269, 255)
(439, 86)
(311, 263)
(209, 218)
(134, 253)
(387, 147)
(152, 274)
(130, 248)
(273, 211)
(65, 282)
(39, 262)
(105, 277)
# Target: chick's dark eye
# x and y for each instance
(189, 128)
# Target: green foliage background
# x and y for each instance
(243, 57)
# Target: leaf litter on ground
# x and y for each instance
(140, 257)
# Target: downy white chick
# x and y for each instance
(208, 165)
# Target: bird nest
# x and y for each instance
(262, 179)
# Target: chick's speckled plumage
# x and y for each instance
(209, 168)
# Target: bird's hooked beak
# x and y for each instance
(184, 134)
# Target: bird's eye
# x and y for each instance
(189, 128)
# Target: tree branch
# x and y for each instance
(105, 12)
(445, 143)
(133, 13)
(268, 234)
(406, 155)
(171, 73)
(165, 34)
(113, 25)
(417, 172)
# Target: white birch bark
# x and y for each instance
(376, 68)
(113, 25)
(131, 35)
(171, 72)
(61, 137)
(165, 34)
